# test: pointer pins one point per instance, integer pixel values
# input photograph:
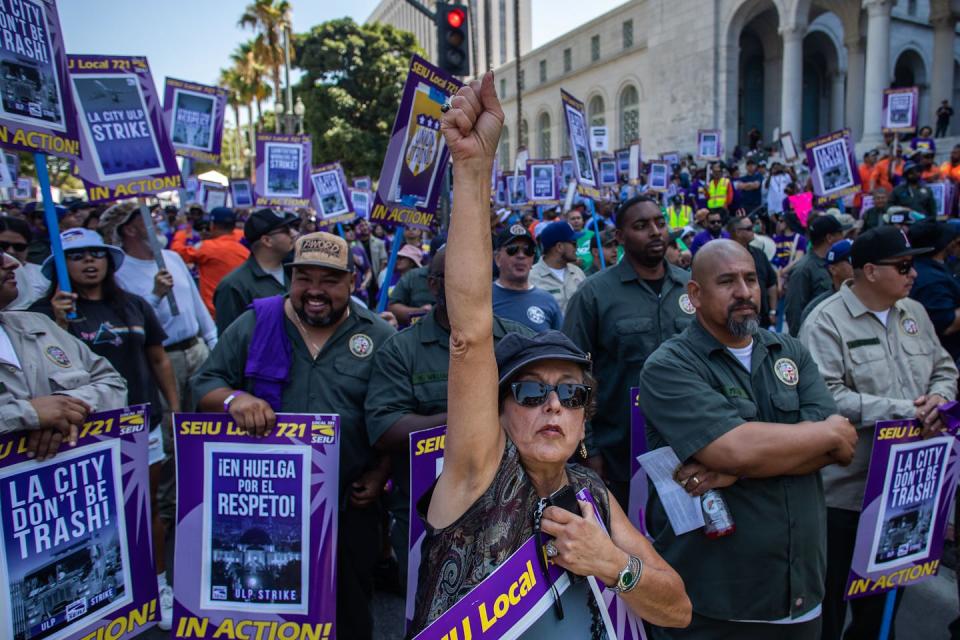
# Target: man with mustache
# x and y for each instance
(748, 413)
(311, 352)
(621, 316)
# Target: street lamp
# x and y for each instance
(277, 116)
(299, 110)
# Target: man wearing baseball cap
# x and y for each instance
(809, 278)
(270, 234)
(514, 297)
(840, 269)
(557, 272)
(913, 193)
(880, 357)
(311, 352)
(608, 242)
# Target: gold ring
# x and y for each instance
(695, 479)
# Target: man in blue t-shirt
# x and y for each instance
(513, 295)
(749, 187)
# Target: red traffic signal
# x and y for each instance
(455, 18)
(452, 41)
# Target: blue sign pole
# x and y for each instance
(887, 621)
(53, 226)
(596, 233)
(391, 263)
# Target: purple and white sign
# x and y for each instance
(283, 170)
(910, 487)
(75, 551)
(900, 110)
(516, 189)
(241, 193)
(608, 172)
(639, 488)
(126, 149)
(362, 201)
(363, 183)
(542, 180)
(412, 175)
(833, 166)
(36, 105)
(426, 463)
(212, 195)
(193, 114)
(583, 165)
(709, 144)
(623, 162)
(257, 527)
(331, 198)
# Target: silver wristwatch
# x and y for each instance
(629, 575)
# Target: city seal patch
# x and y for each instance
(786, 370)
(685, 305)
(57, 356)
(536, 315)
(910, 326)
(361, 345)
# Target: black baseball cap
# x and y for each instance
(824, 226)
(512, 232)
(515, 351)
(936, 235)
(882, 243)
(264, 221)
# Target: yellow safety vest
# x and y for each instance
(717, 194)
(678, 218)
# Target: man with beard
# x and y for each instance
(913, 194)
(620, 316)
(310, 352)
(747, 412)
(557, 272)
(879, 354)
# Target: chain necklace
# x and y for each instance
(311, 345)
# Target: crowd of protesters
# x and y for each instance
(524, 331)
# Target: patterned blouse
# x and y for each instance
(457, 558)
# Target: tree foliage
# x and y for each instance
(353, 77)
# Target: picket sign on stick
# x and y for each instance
(391, 263)
(887, 621)
(157, 251)
(53, 227)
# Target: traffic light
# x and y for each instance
(452, 43)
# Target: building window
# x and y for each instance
(595, 112)
(627, 34)
(543, 71)
(503, 31)
(524, 136)
(505, 149)
(543, 134)
(567, 60)
(595, 48)
(629, 116)
(503, 88)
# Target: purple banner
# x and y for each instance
(283, 170)
(910, 487)
(75, 551)
(257, 527)
(833, 166)
(126, 149)
(900, 110)
(242, 194)
(193, 114)
(37, 112)
(709, 144)
(412, 175)
(331, 197)
(544, 181)
(426, 463)
(584, 168)
(639, 488)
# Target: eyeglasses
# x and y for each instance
(903, 267)
(714, 223)
(16, 246)
(77, 256)
(534, 394)
(513, 249)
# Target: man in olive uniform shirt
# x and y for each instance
(620, 316)
(408, 393)
(749, 414)
(312, 352)
(809, 278)
(270, 235)
(411, 295)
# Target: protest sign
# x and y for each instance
(6, 179)
(659, 178)
(24, 189)
(212, 195)
(801, 204)
(283, 170)
(363, 183)
(256, 527)
(635, 163)
(126, 150)
(516, 189)
(788, 148)
(910, 487)
(190, 193)
(362, 201)
(583, 165)
(623, 162)
(672, 158)
(426, 463)
(76, 556)
(542, 179)
(639, 489)
(412, 175)
(13, 163)
(943, 195)
(599, 138)
(501, 190)
(241, 193)
(331, 199)
(36, 106)
(193, 114)
(709, 146)
(833, 166)
(608, 172)
(900, 110)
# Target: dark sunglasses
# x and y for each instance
(903, 267)
(513, 249)
(77, 256)
(534, 394)
(16, 246)
(714, 223)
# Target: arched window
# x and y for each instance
(629, 115)
(596, 112)
(505, 149)
(543, 135)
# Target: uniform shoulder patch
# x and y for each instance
(786, 371)
(361, 345)
(685, 305)
(57, 356)
(910, 326)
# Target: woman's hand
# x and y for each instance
(583, 547)
(471, 127)
(63, 303)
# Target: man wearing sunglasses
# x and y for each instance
(880, 357)
(15, 236)
(514, 297)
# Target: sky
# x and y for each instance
(193, 39)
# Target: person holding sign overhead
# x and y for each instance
(514, 418)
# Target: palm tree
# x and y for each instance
(268, 18)
(231, 80)
(252, 71)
